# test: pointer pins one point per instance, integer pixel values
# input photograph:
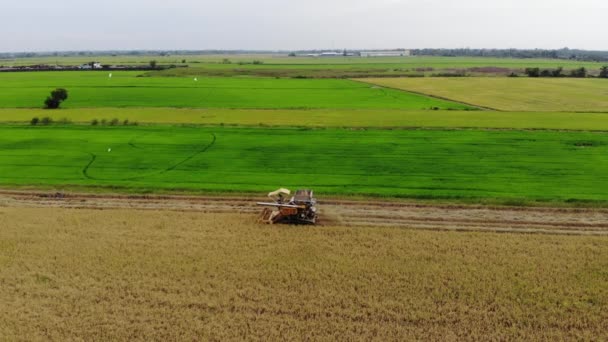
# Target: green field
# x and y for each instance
(125, 89)
(512, 94)
(315, 67)
(204, 61)
(375, 118)
(337, 136)
(362, 67)
(458, 164)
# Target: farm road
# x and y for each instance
(368, 213)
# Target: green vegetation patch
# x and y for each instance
(512, 94)
(460, 164)
(125, 89)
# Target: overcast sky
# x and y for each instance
(42, 25)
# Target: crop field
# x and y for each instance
(130, 212)
(512, 94)
(125, 89)
(362, 67)
(313, 67)
(319, 118)
(245, 61)
(163, 275)
(458, 164)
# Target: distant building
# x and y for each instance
(330, 54)
(400, 53)
(89, 66)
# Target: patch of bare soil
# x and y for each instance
(371, 213)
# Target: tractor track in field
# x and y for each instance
(131, 143)
(351, 213)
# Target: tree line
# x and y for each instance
(565, 53)
(559, 72)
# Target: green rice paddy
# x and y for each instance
(435, 164)
(126, 89)
(340, 137)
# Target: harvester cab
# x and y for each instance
(301, 208)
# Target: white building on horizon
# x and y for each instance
(386, 53)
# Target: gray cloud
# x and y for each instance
(36, 25)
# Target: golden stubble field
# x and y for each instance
(80, 274)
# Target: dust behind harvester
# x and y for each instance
(299, 209)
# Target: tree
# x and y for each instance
(533, 72)
(57, 97)
(604, 72)
(34, 121)
(153, 64)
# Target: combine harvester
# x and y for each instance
(299, 209)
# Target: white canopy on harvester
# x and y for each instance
(279, 193)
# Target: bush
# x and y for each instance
(94, 122)
(114, 122)
(34, 121)
(557, 72)
(580, 72)
(104, 122)
(532, 72)
(257, 62)
(126, 122)
(604, 72)
(46, 121)
(450, 74)
(64, 121)
(153, 64)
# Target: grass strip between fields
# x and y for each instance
(322, 118)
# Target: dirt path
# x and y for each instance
(348, 213)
